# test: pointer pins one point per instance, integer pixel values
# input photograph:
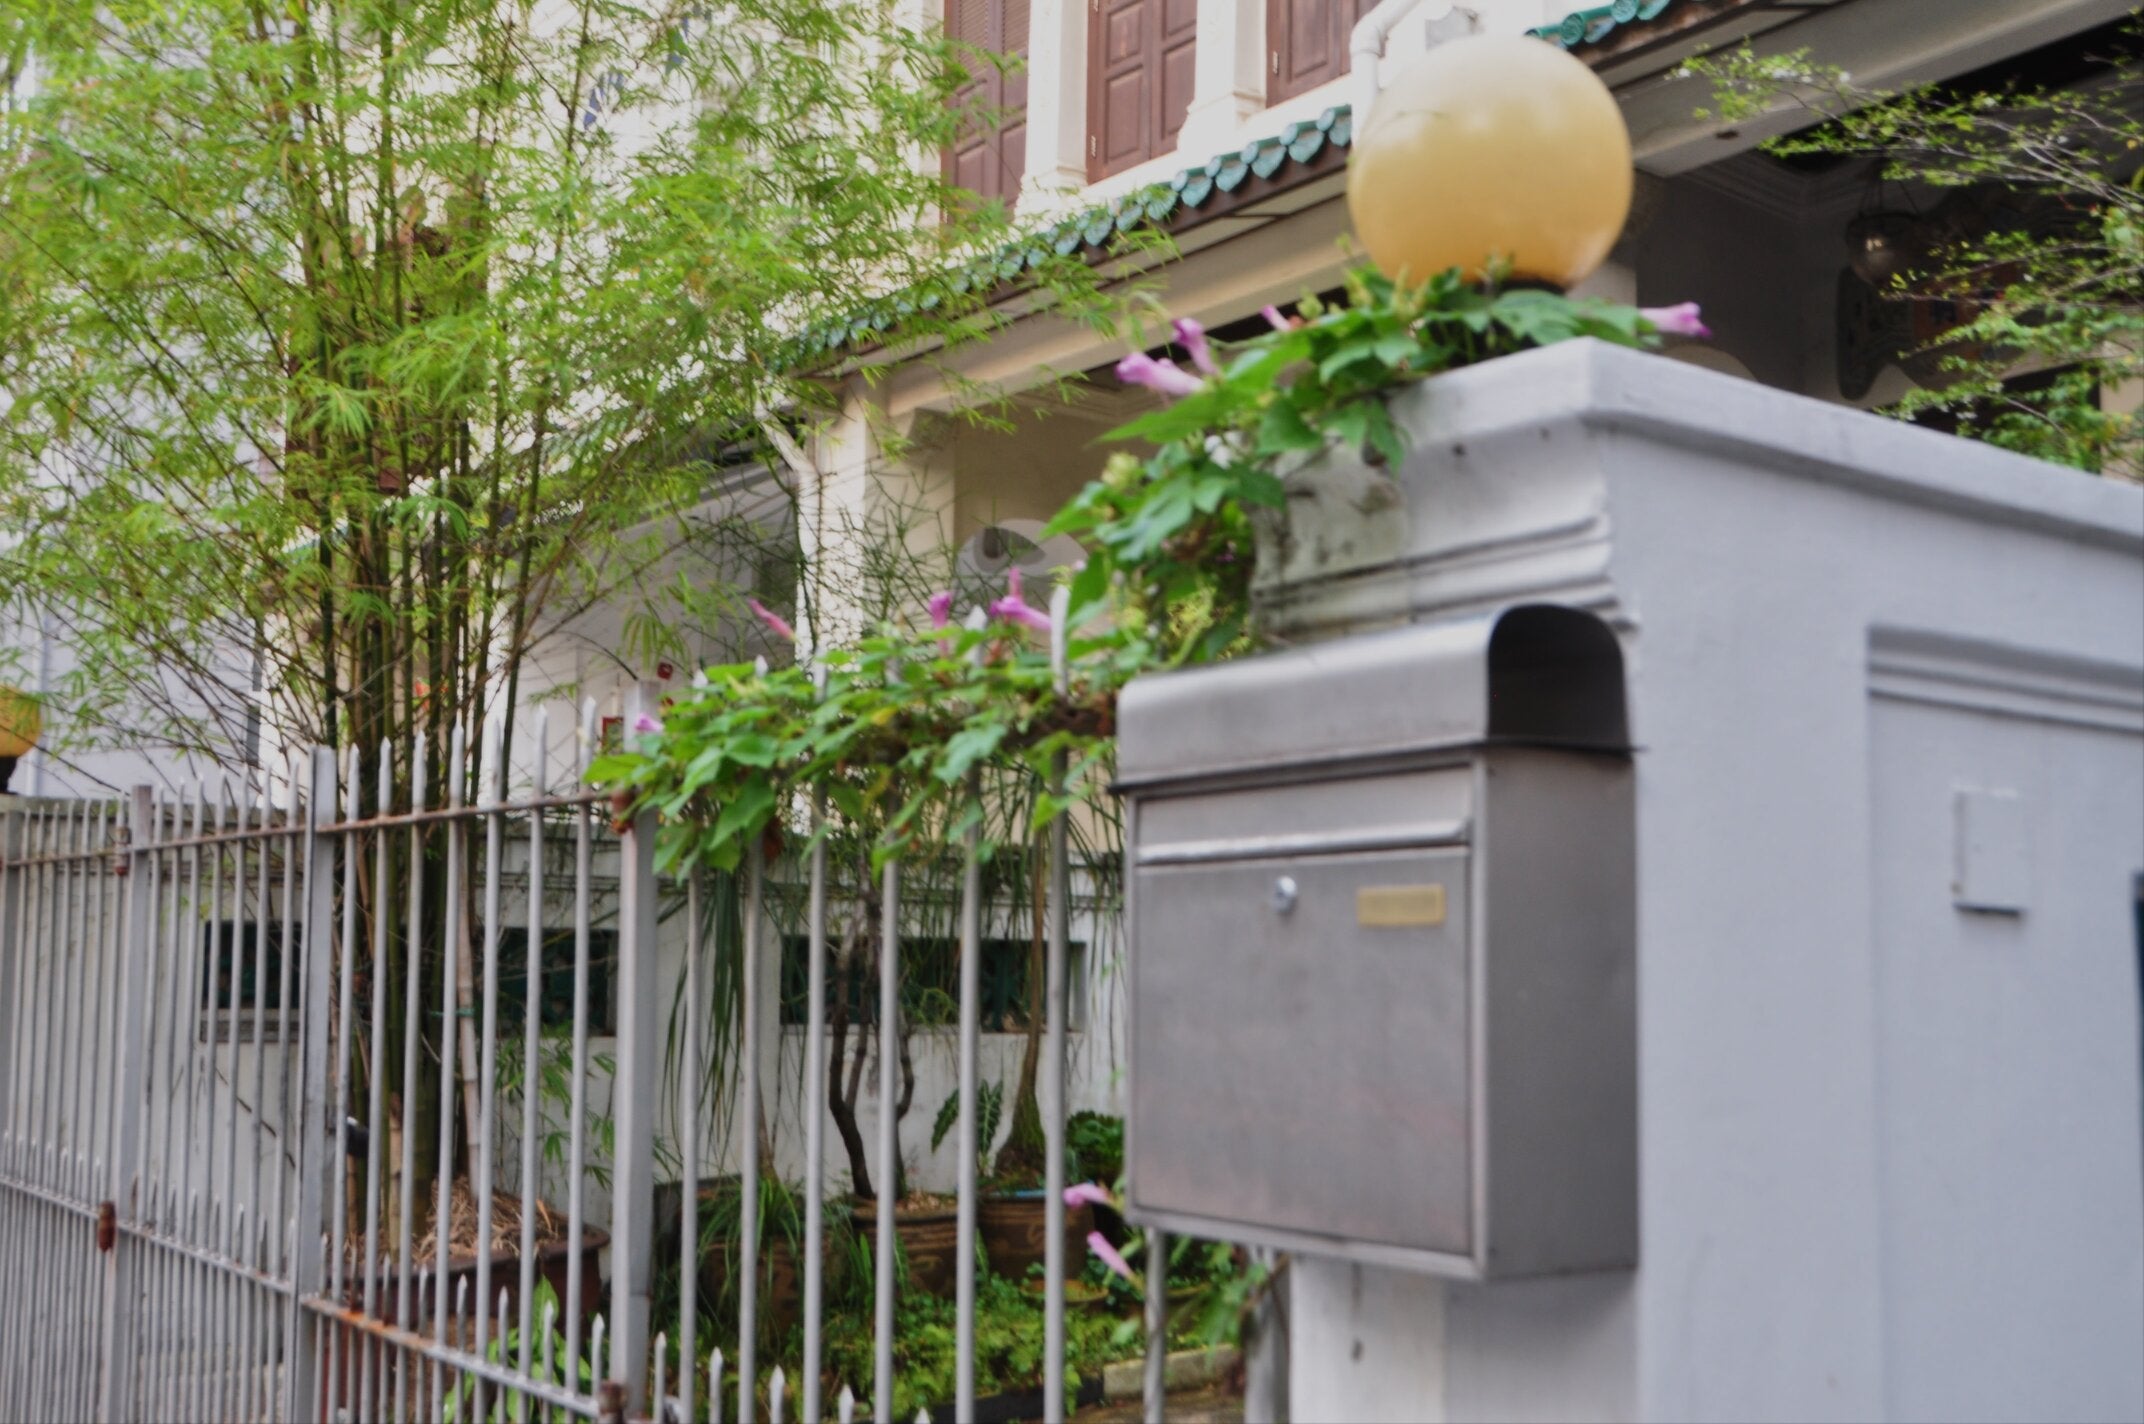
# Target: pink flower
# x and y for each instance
(1192, 337)
(941, 607)
(1140, 369)
(1278, 322)
(773, 620)
(1013, 608)
(643, 724)
(1108, 1256)
(1678, 320)
(1088, 1193)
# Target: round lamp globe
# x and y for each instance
(1492, 146)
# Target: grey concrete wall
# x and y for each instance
(1890, 1147)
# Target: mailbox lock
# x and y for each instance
(1283, 894)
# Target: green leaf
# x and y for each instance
(1282, 429)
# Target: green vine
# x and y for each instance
(892, 730)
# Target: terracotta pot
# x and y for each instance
(1014, 1235)
(929, 1239)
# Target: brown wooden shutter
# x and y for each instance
(1306, 43)
(1139, 75)
(989, 158)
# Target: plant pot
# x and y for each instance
(1015, 1235)
(928, 1238)
(1078, 1295)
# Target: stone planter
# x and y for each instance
(929, 1240)
(1015, 1234)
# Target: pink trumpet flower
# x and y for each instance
(1109, 1256)
(1278, 322)
(643, 724)
(1087, 1193)
(1192, 337)
(1140, 369)
(941, 607)
(773, 620)
(1014, 608)
(1679, 320)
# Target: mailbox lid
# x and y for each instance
(1540, 674)
(1307, 1071)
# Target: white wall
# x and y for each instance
(1891, 1149)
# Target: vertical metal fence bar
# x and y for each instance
(179, 1015)
(484, 1139)
(44, 934)
(747, 1266)
(262, 924)
(971, 952)
(688, 1138)
(531, 1059)
(1157, 1324)
(577, 1072)
(338, 1163)
(412, 1025)
(58, 887)
(311, 1125)
(54, 957)
(633, 1093)
(218, 990)
(449, 1031)
(115, 1385)
(53, 875)
(889, 1009)
(1053, 1054)
(311, 941)
(80, 949)
(814, 1108)
(11, 885)
(376, 1076)
(190, 970)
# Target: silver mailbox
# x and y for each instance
(1382, 925)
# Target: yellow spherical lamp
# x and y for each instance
(1491, 147)
(21, 722)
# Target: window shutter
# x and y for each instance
(989, 156)
(1140, 62)
(1306, 43)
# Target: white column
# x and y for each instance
(1056, 103)
(1228, 76)
(1368, 1343)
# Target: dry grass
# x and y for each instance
(550, 1226)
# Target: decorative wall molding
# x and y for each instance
(1944, 670)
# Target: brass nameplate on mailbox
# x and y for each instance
(1399, 906)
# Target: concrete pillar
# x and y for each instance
(1887, 690)
(877, 486)
(1228, 76)
(1056, 104)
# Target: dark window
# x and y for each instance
(555, 994)
(990, 156)
(1139, 63)
(241, 978)
(1306, 43)
(930, 983)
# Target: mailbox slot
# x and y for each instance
(1381, 924)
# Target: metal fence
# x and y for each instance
(259, 1090)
